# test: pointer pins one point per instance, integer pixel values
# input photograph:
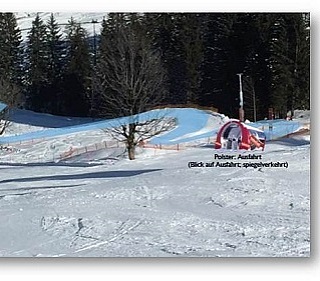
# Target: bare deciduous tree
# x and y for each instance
(132, 81)
(10, 95)
(4, 121)
(250, 97)
(138, 132)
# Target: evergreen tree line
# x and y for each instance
(142, 60)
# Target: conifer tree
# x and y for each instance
(109, 29)
(271, 50)
(257, 78)
(76, 78)
(37, 66)
(55, 64)
(219, 83)
(290, 62)
(56, 48)
(282, 82)
(191, 36)
(299, 54)
(10, 60)
(164, 29)
(200, 53)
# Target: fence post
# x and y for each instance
(270, 130)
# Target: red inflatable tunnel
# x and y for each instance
(236, 135)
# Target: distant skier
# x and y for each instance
(234, 143)
(229, 143)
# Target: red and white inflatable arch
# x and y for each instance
(236, 135)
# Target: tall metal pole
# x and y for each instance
(254, 105)
(241, 111)
(94, 42)
(93, 80)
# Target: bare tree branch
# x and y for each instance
(9, 93)
(143, 131)
(4, 121)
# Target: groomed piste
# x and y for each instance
(191, 124)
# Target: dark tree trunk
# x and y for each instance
(131, 141)
(131, 152)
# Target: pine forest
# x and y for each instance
(140, 61)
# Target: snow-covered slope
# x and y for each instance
(191, 124)
(24, 20)
(53, 138)
(157, 206)
(25, 121)
(101, 204)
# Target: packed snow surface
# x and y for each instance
(99, 204)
